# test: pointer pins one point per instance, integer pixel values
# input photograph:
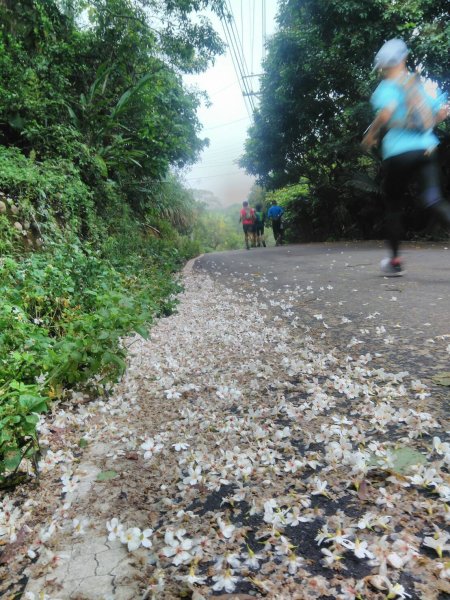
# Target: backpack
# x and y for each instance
(249, 214)
(419, 115)
(277, 218)
(259, 217)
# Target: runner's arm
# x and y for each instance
(442, 114)
(380, 121)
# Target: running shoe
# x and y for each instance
(392, 267)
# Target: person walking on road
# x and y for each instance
(275, 214)
(406, 115)
(259, 225)
(247, 218)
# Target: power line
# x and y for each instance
(227, 87)
(238, 57)
(218, 175)
(214, 165)
(252, 38)
(225, 124)
(237, 64)
(217, 152)
(236, 46)
(264, 30)
(239, 44)
(242, 22)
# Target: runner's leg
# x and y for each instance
(395, 184)
(247, 245)
(276, 231)
(431, 190)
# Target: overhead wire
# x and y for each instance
(225, 124)
(245, 69)
(252, 37)
(227, 87)
(246, 90)
(244, 76)
(263, 30)
(213, 165)
(218, 175)
(238, 57)
(236, 64)
(225, 152)
(242, 21)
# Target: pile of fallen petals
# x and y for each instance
(258, 461)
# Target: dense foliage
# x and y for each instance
(94, 117)
(314, 105)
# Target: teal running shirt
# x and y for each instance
(390, 94)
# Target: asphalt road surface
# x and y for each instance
(342, 284)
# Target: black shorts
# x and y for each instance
(248, 227)
(259, 229)
(401, 169)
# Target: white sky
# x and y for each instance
(226, 121)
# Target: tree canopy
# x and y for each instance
(100, 82)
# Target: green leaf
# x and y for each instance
(405, 458)
(103, 335)
(442, 378)
(122, 102)
(32, 419)
(83, 443)
(106, 475)
(17, 122)
(13, 461)
(142, 331)
(109, 357)
(72, 114)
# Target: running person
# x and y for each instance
(247, 218)
(275, 213)
(259, 225)
(408, 113)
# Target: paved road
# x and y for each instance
(342, 281)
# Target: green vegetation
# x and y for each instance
(93, 225)
(219, 228)
(314, 108)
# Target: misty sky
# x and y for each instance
(226, 121)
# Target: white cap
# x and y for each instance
(391, 54)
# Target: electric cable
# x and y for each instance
(225, 124)
(243, 62)
(238, 67)
(227, 87)
(252, 36)
(238, 57)
(242, 21)
(214, 165)
(218, 175)
(263, 30)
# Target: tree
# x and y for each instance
(314, 99)
(100, 83)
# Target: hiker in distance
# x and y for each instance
(247, 218)
(407, 114)
(275, 213)
(260, 221)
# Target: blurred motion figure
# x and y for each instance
(406, 115)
